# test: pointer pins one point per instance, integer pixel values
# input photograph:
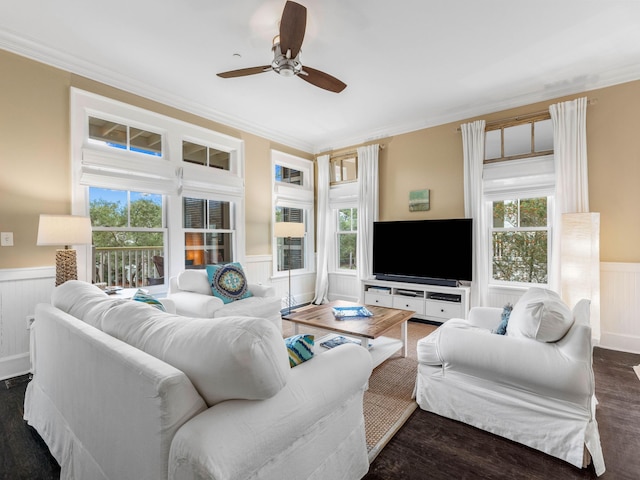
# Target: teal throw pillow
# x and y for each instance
(300, 348)
(506, 313)
(142, 296)
(228, 282)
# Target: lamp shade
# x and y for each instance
(64, 230)
(288, 230)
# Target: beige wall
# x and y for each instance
(34, 162)
(432, 158)
(35, 156)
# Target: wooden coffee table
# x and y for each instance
(369, 330)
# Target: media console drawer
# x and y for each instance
(407, 303)
(378, 299)
(444, 309)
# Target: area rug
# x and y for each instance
(388, 402)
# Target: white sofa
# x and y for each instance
(191, 293)
(122, 390)
(534, 385)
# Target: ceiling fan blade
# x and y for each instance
(244, 71)
(322, 80)
(292, 27)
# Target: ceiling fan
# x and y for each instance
(286, 53)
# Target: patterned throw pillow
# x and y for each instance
(228, 282)
(142, 296)
(506, 313)
(300, 348)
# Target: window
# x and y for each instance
(165, 194)
(208, 236)
(292, 201)
(519, 240)
(291, 251)
(288, 175)
(125, 137)
(347, 238)
(523, 137)
(206, 156)
(343, 168)
(128, 232)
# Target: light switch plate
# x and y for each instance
(6, 239)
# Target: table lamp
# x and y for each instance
(64, 230)
(289, 230)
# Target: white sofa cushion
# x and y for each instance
(540, 314)
(229, 358)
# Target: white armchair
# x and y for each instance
(190, 292)
(535, 392)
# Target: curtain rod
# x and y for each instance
(525, 116)
(350, 152)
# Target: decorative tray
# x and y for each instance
(348, 312)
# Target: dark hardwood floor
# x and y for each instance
(432, 447)
(426, 447)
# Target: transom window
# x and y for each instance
(519, 236)
(343, 168)
(288, 175)
(203, 155)
(124, 137)
(347, 238)
(523, 137)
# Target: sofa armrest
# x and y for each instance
(192, 304)
(485, 317)
(522, 363)
(168, 304)
(322, 395)
(260, 290)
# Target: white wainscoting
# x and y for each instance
(259, 269)
(344, 287)
(20, 291)
(620, 306)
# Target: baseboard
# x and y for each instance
(14, 366)
(623, 343)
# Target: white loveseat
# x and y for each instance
(191, 293)
(534, 385)
(124, 391)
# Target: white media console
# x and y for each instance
(430, 302)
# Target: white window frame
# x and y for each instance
(294, 196)
(338, 232)
(522, 178)
(103, 166)
(342, 195)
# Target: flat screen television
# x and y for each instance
(433, 252)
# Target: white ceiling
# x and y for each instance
(408, 64)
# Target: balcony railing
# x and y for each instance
(128, 267)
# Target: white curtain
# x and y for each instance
(367, 208)
(570, 158)
(323, 232)
(473, 149)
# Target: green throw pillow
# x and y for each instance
(228, 282)
(300, 348)
(142, 296)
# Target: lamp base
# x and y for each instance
(66, 266)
